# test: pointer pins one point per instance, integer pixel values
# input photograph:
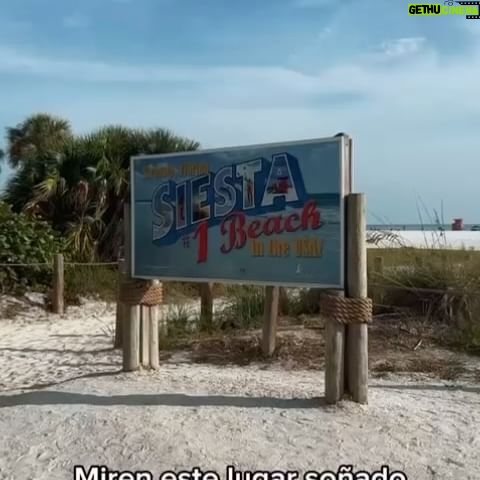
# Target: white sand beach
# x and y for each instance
(467, 240)
(64, 401)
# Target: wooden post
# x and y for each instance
(377, 292)
(154, 347)
(131, 340)
(270, 316)
(206, 305)
(334, 356)
(58, 284)
(145, 335)
(131, 333)
(120, 314)
(357, 334)
(283, 301)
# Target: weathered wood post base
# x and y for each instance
(154, 349)
(334, 355)
(120, 313)
(270, 318)
(206, 306)
(58, 284)
(357, 363)
(140, 335)
(153, 314)
(347, 316)
(357, 333)
(131, 339)
(283, 301)
(145, 336)
(131, 312)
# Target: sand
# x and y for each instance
(461, 240)
(65, 402)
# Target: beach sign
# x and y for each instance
(270, 214)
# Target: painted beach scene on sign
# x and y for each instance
(269, 214)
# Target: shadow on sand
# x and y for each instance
(441, 388)
(58, 350)
(46, 397)
(41, 386)
(161, 399)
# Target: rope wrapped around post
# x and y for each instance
(141, 292)
(346, 310)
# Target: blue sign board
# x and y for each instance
(268, 214)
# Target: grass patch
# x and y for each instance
(178, 319)
(440, 285)
(90, 281)
(244, 309)
(393, 257)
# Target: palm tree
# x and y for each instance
(80, 184)
(34, 150)
(112, 172)
(39, 136)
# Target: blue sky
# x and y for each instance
(233, 73)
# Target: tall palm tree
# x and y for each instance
(112, 171)
(82, 183)
(39, 136)
(34, 150)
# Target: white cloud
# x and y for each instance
(415, 81)
(287, 80)
(402, 46)
(416, 121)
(76, 20)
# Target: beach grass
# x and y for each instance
(440, 285)
(405, 255)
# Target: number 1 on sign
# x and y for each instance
(201, 233)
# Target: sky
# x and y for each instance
(235, 73)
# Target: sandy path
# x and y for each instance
(198, 415)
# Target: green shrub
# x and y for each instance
(25, 240)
